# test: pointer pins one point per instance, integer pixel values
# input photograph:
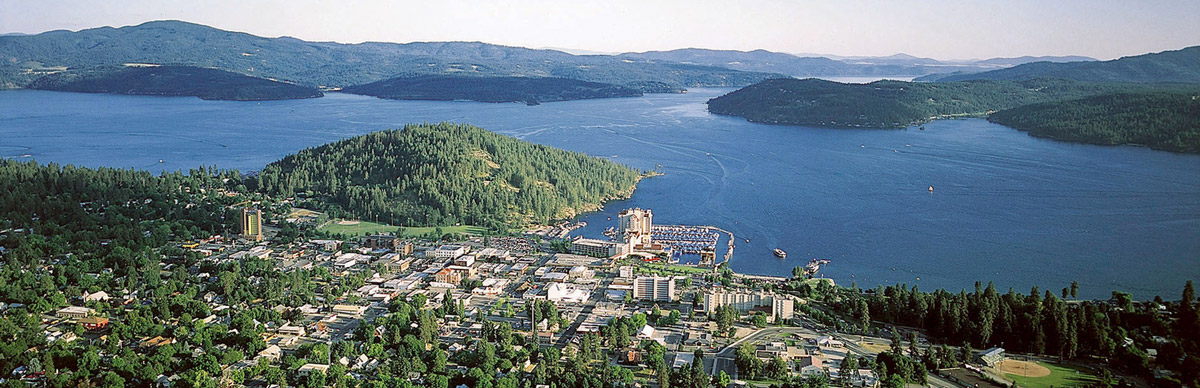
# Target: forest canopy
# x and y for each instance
(1160, 120)
(444, 174)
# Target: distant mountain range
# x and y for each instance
(328, 64)
(1181, 66)
(827, 66)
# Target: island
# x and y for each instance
(171, 80)
(446, 174)
(531, 90)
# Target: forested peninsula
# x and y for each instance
(1160, 116)
(154, 80)
(1160, 120)
(530, 90)
(444, 174)
(886, 104)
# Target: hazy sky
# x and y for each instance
(943, 29)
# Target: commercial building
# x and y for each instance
(775, 306)
(73, 312)
(635, 227)
(567, 293)
(252, 224)
(449, 251)
(387, 241)
(598, 248)
(654, 288)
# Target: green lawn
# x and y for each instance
(1060, 376)
(367, 227)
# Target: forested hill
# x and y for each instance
(1178, 66)
(331, 64)
(1160, 120)
(208, 84)
(488, 89)
(885, 104)
(443, 174)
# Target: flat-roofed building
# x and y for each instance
(598, 248)
(450, 251)
(73, 312)
(660, 288)
(775, 306)
(251, 223)
(388, 241)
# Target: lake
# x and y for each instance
(1007, 207)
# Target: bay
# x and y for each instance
(1007, 207)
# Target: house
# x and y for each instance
(309, 368)
(631, 357)
(683, 358)
(97, 296)
(829, 342)
(647, 332)
(809, 365)
(289, 329)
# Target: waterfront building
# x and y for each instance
(636, 227)
(598, 248)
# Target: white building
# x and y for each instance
(654, 288)
(567, 293)
(450, 251)
(775, 306)
(635, 227)
(598, 248)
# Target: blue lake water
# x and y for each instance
(1007, 207)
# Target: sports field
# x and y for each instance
(1037, 374)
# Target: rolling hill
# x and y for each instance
(1177, 66)
(445, 174)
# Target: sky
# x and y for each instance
(941, 29)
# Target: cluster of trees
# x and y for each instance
(208, 84)
(1042, 323)
(445, 174)
(490, 89)
(1162, 120)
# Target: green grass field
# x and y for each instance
(367, 227)
(1060, 376)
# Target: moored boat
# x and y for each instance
(780, 253)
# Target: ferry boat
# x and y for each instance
(780, 253)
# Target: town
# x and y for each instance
(658, 319)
